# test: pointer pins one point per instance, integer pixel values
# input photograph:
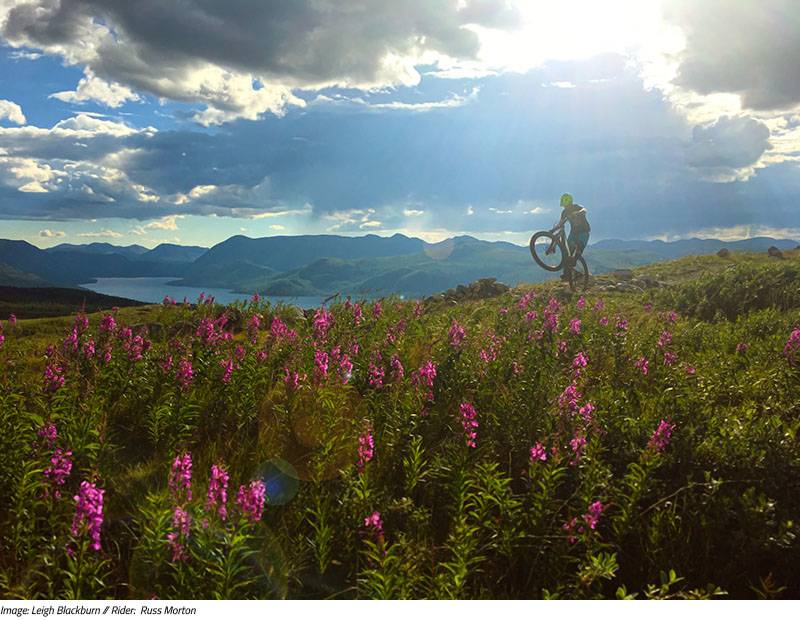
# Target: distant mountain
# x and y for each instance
(72, 267)
(687, 247)
(284, 253)
(100, 248)
(171, 252)
(9, 276)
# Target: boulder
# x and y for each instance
(724, 253)
(622, 274)
(774, 252)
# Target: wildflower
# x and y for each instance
(250, 500)
(538, 453)
(425, 375)
(53, 378)
(345, 368)
(81, 323)
(660, 438)
(321, 363)
(689, 370)
(323, 321)
(516, 368)
(217, 497)
(742, 347)
(358, 314)
(107, 352)
(577, 443)
(581, 303)
(89, 348)
(469, 420)
(670, 358)
(291, 380)
(366, 448)
(12, 320)
(592, 516)
(603, 321)
(184, 374)
(71, 341)
(568, 399)
(227, 370)
(599, 305)
(253, 325)
(261, 355)
(648, 307)
(180, 478)
(525, 300)
(664, 339)
(672, 316)
(418, 309)
(255, 298)
(374, 525)
(550, 321)
(575, 326)
(377, 308)
(278, 328)
(457, 334)
(88, 512)
(561, 347)
(397, 368)
(580, 361)
(792, 348)
(48, 432)
(622, 325)
(531, 316)
(376, 374)
(239, 352)
(503, 311)
(59, 469)
(181, 521)
(642, 364)
(586, 412)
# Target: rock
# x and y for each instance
(724, 253)
(774, 252)
(485, 288)
(622, 274)
(151, 330)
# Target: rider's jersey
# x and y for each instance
(576, 215)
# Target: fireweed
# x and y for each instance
(180, 479)
(88, 513)
(661, 436)
(217, 496)
(58, 471)
(469, 421)
(456, 334)
(366, 448)
(538, 453)
(250, 499)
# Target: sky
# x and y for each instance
(150, 121)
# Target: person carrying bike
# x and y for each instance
(579, 228)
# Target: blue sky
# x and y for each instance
(191, 122)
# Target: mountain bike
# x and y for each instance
(576, 273)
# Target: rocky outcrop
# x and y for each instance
(485, 288)
(724, 253)
(774, 252)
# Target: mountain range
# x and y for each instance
(326, 264)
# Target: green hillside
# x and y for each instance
(637, 441)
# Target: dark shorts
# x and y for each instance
(577, 241)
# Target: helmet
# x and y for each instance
(566, 200)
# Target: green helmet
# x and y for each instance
(566, 200)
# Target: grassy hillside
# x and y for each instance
(31, 303)
(538, 444)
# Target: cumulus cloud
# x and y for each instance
(11, 111)
(242, 58)
(742, 47)
(728, 146)
(92, 88)
(52, 234)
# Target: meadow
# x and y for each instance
(541, 444)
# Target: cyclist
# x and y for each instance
(579, 228)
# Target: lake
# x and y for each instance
(153, 290)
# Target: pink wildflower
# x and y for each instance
(670, 358)
(575, 326)
(184, 374)
(12, 320)
(321, 363)
(792, 348)
(661, 436)
(377, 309)
(53, 378)
(250, 500)
(88, 512)
(59, 469)
(580, 361)
(581, 303)
(642, 364)
(586, 412)
(178, 538)
(469, 420)
(592, 516)
(577, 443)
(664, 339)
(457, 334)
(742, 347)
(180, 478)
(538, 453)
(376, 374)
(217, 497)
(374, 525)
(366, 448)
(397, 368)
(323, 321)
(568, 399)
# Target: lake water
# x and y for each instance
(153, 290)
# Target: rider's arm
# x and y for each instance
(560, 224)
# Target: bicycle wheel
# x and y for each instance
(539, 243)
(579, 275)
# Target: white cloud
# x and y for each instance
(470, 210)
(92, 88)
(277, 227)
(413, 212)
(11, 111)
(51, 234)
(102, 233)
(501, 211)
